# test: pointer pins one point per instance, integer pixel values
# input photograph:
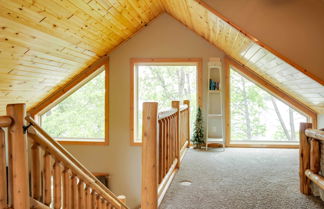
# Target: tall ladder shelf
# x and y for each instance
(215, 111)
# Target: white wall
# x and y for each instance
(162, 38)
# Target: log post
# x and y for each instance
(3, 173)
(315, 156)
(304, 158)
(19, 155)
(176, 104)
(187, 102)
(149, 156)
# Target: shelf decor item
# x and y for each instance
(198, 138)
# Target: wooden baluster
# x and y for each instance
(167, 144)
(187, 102)
(172, 139)
(75, 194)
(176, 123)
(164, 148)
(88, 198)
(47, 179)
(36, 172)
(19, 156)
(67, 190)
(3, 173)
(99, 202)
(94, 200)
(160, 151)
(304, 158)
(82, 197)
(315, 156)
(149, 156)
(109, 205)
(57, 185)
(105, 204)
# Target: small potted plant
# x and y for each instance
(198, 134)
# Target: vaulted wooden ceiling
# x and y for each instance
(44, 43)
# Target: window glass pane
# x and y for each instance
(81, 115)
(258, 116)
(163, 84)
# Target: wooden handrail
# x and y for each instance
(315, 134)
(317, 179)
(5, 121)
(37, 205)
(166, 113)
(165, 136)
(71, 158)
(183, 107)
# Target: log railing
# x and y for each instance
(309, 168)
(163, 143)
(42, 174)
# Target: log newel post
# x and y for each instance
(304, 158)
(176, 104)
(150, 156)
(18, 149)
(187, 102)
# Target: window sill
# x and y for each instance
(91, 141)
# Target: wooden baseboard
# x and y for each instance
(279, 146)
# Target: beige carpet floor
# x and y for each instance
(239, 179)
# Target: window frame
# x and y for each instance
(163, 61)
(75, 84)
(268, 87)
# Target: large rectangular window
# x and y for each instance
(162, 82)
(81, 116)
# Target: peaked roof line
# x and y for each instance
(260, 43)
(216, 13)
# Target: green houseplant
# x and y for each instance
(198, 134)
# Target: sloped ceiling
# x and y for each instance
(44, 43)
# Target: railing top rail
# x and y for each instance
(72, 159)
(183, 107)
(315, 134)
(5, 121)
(166, 113)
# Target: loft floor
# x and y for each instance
(239, 179)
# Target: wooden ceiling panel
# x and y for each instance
(44, 43)
(247, 52)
